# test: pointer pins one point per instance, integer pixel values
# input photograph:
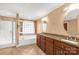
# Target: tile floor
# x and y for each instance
(22, 50)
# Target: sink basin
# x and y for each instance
(69, 41)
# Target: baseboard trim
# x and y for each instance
(7, 45)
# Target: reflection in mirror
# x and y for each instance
(71, 26)
(71, 20)
(65, 26)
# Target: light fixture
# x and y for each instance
(71, 7)
(44, 19)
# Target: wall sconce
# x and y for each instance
(44, 19)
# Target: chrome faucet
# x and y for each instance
(71, 38)
(75, 39)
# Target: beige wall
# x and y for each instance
(72, 27)
(78, 25)
(55, 21)
(39, 26)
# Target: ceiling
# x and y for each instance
(30, 11)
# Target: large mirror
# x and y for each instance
(71, 20)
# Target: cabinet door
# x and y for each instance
(49, 46)
(58, 51)
(71, 49)
(39, 40)
(58, 48)
(43, 43)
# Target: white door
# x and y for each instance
(7, 32)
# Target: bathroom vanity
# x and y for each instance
(57, 44)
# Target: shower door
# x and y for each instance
(7, 33)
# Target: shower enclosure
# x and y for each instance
(7, 33)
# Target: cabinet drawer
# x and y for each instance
(71, 49)
(68, 47)
(58, 44)
(58, 51)
(49, 40)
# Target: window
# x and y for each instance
(44, 27)
(44, 20)
(28, 27)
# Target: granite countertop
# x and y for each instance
(62, 39)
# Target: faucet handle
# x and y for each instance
(75, 39)
(67, 38)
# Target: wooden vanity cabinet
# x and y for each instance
(58, 48)
(49, 46)
(43, 43)
(61, 48)
(72, 50)
(58, 44)
(39, 40)
(55, 47)
(58, 51)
